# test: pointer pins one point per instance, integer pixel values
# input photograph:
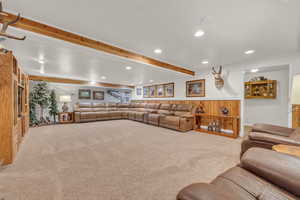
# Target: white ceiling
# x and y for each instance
(271, 27)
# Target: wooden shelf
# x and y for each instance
(261, 89)
(226, 122)
(216, 133)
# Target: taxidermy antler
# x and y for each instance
(7, 23)
(219, 82)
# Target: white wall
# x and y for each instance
(274, 111)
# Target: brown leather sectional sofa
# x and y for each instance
(174, 116)
(267, 135)
(262, 174)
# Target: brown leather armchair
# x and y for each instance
(266, 136)
(262, 174)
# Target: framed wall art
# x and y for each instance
(152, 91)
(160, 90)
(195, 88)
(84, 94)
(146, 92)
(138, 91)
(98, 95)
(169, 90)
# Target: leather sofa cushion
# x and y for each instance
(101, 114)
(275, 139)
(152, 105)
(272, 129)
(123, 105)
(170, 120)
(165, 112)
(83, 110)
(111, 105)
(87, 115)
(99, 109)
(280, 169)
(84, 105)
(180, 113)
(165, 106)
(184, 107)
(153, 117)
(98, 105)
(203, 191)
(243, 183)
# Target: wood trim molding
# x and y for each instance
(43, 29)
(79, 82)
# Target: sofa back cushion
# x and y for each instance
(182, 109)
(99, 105)
(84, 105)
(280, 169)
(83, 110)
(111, 106)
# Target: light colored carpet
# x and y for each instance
(113, 160)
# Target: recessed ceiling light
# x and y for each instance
(249, 51)
(103, 77)
(158, 51)
(254, 70)
(41, 61)
(204, 62)
(128, 67)
(151, 81)
(93, 82)
(199, 33)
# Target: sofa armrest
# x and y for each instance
(202, 191)
(278, 168)
(272, 129)
(275, 139)
(187, 116)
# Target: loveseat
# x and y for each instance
(174, 116)
(262, 175)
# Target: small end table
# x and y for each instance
(66, 117)
(287, 149)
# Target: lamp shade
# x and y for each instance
(296, 90)
(65, 98)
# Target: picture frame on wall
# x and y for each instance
(98, 95)
(195, 88)
(146, 92)
(84, 94)
(160, 90)
(169, 90)
(138, 91)
(152, 91)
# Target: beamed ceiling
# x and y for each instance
(270, 27)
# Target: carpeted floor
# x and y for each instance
(113, 160)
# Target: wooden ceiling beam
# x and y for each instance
(50, 31)
(78, 82)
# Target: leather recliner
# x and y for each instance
(262, 175)
(266, 136)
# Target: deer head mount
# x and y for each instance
(219, 82)
(7, 23)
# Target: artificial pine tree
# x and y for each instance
(40, 96)
(53, 110)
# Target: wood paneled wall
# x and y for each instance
(211, 107)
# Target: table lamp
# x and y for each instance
(65, 99)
